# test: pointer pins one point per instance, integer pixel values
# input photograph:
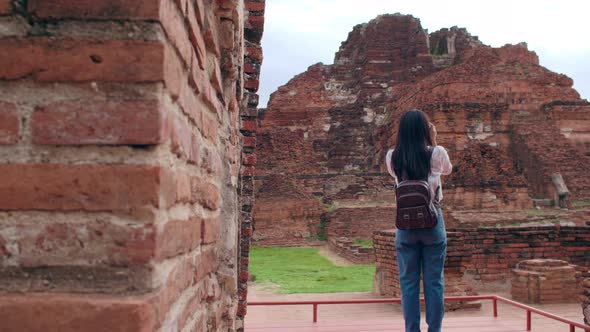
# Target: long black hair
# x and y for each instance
(411, 156)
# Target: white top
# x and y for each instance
(440, 165)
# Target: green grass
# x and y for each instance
(538, 212)
(364, 243)
(304, 270)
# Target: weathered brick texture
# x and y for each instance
(121, 151)
(77, 123)
(83, 187)
(487, 254)
(544, 281)
(254, 11)
(82, 60)
(70, 313)
(9, 124)
(346, 248)
(88, 9)
(328, 129)
(554, 154)
(5, 7)
(387, 282)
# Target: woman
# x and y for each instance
(417, 157)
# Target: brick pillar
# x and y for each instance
(254, 27)
(119, 150)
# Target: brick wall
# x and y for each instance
(554, 154)
(487, 254)
(387, 283)
(299, 213)
(253, 29)
(573, 120)
(121, 152)
(359, 223)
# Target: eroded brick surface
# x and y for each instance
(248, 128)
(112, 9)
(5, 6)
(75, 123)
(9, 124)
(75, 312)
(82, 60)
(544, 281)
(489, 254)
(80, 187)
(507, 122)
(121, 144)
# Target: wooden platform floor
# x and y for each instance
(453, 324)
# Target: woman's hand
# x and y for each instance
(433, 132)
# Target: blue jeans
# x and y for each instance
(422, 250)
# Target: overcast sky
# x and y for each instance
(299, 33)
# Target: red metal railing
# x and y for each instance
(493, 298)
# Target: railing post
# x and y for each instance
(572, 328)
(315, 312)
(528, 320)
(495, 306)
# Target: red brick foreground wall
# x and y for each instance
(488, 254)
(120, 151)
(253, 29)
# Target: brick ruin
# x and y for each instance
(488, 255)
(544, 281)
(129, 133)
(518, 135)
(324, 134)
(127, 145)
(355, 253)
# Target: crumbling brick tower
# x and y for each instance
(120, 161)
(517, 133)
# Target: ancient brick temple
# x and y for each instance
(518, 134)
(126, 155)
(128, 137)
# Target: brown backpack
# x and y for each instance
(416, 205)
